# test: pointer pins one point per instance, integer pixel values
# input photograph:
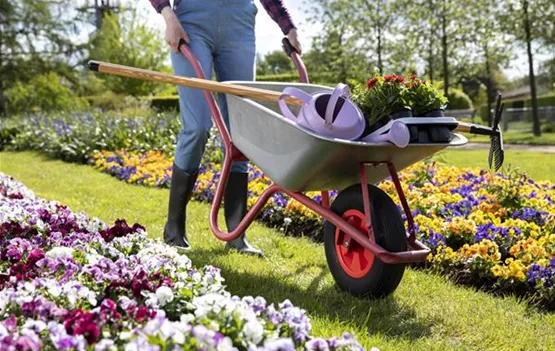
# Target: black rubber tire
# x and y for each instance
(389, 231)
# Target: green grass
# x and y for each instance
(517, 137)
(538, 165)
(427, 312)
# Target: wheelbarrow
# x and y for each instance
(366, 244)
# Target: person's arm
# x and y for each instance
(174, 30)
(278, 12)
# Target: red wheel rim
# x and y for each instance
(355, 259)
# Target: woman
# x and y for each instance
(221, 35)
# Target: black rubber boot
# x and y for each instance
(235, 208)
(181, 189)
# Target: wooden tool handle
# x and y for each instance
(239, 90)
(463, 127)
(475, 129)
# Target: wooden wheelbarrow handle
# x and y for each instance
(218, 87)
(228, 88)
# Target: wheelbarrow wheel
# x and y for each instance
(355, 268)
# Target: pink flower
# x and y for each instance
(35, 256)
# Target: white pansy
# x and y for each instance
(150, 299)
(164, 295)
(60, 251)
(37, 326)
(30, 287)
(105, 345)
(254, 331)
(3, 330)
(225, 345)
(187, 318)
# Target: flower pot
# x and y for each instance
(403, 113)
(434, 113)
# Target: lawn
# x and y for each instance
(538, 165)
(426, 312)
(517, 137)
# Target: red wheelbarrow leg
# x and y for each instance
(404, 203)
(366, 201)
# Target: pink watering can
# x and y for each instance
(328, 114)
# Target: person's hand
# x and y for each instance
(294, 39)
(174, 30)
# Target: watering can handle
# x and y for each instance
(290, 91)
(341, 90)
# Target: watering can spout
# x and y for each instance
(398, 135)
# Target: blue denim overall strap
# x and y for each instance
(222, 38)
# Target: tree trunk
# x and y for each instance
(431, 58)
(444, 49)
(488, 85)
(2, 100)
(379, 27)
(431, 43)
(537, 129)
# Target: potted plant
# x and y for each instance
(424, 98)
(381, 99)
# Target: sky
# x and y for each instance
(268, 34)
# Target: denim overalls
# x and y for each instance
(222, 38)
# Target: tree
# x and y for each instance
(439, 30)
(337, 51)
(35, 37)
(531, 22)
(127, 40)
(275, 62)
(373, 21)
(420, 32)
(490, 45)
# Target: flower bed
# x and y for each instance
(488, 229)
(68, 282)
(73, 137)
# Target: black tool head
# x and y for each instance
(496, 152)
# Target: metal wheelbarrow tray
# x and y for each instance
(299, 160)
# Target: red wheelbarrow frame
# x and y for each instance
(366, 240)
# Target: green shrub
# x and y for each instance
(164, 103)
(7, 135)
(458, 100)
(548, 128)
(47, 93)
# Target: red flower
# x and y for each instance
(143, 314)
(389, 77)
(413, 76)
(371, 83)
(400, 79)
(121, 228)
(78, 322)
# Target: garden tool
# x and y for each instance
(496, 150)
(398, 135)
(331, 115)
